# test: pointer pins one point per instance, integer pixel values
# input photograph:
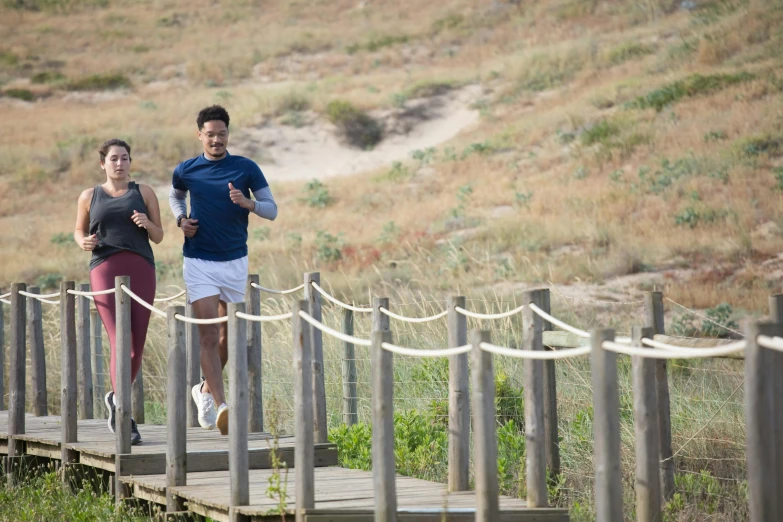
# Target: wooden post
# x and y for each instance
(653, 312)
(18, 363)
(383, 467)
(304, 453)
(2, 357)
(606, 427)
(459, 399)
(551, 431)
(37, 354)
(84, 362)
(137, 396)
(380, 321)
(194, 364)
(238, 411)
(485, 443)
(313, 299)
(177, 396)
(68, 413)
(776, 315)
(645, 413)
(122, 394)
(96, 353)
(254, 357)
(760, 374)
(535, 440)
(350, 400)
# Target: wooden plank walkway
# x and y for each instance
(340, 494)
(207, 450)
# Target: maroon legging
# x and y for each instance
(142, 283)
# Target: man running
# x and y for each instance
(215, 250)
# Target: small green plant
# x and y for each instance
(20, 94)
(691, 217)
(429, 88)
(694, 85)
(757, 145)
(581, 172)
(390, 232)
(599, 133)
(398, 100)
(523, 199)
(224, 95)
(316, 194)
(483, 149)
(463, 194)
(50, 280)
(47, 77)
(148, 105)
(715, 136)
(616, 176)
(292, 101)
(778, 174)
(450, 21)
(261, 233)
(360, 129)
(278, 487)
(398, 172)
(629, 51)
(61, 238)
(719, 321)
(376, 43)
(449, 154)
(293, 240)
(8, 59)
(425, 156)
(657, 181)
(328, 247)
(684, 325)
(100, 82)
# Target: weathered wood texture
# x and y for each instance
(485, 444)
(2, 356)
(194, 364)
(238, 410)
(37, 354)
(645, 413)
(254, 357)
(459, 399)
(68, 413)
(84, 360)
(137, 396)
(535, 439)
(653, 311)
(303, 410)
(382, 362)
(551, 432)
(350, 400)
(17, 370)
(313, 299)
(96, 352)
(122, 394)
(176, 412)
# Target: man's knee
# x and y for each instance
(209, 337)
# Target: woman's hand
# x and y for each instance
(140, 219)
(88, 243)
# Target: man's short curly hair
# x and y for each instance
(212, 113)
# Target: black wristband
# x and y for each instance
(180, 218)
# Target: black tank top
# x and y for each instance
(110, 220)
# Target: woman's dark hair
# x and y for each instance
(212, 113)
(114, 142)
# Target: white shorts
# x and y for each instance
(227, 279)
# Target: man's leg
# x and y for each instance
(212, 360)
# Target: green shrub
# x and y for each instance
(450, 21)
(720, 321)
(8, 59)
(753, 146)
(317, 195)
(694, 85)
(629, 51)
(100, 82)
(292, 102)
(51, 280)
(261, 233)
(61, 238)
(47, 77)
(360, 129)
(691, 217)
(429, 88)
(657, 181)
(778, 173)
(20, 94)
(601, 132)
(328, 247)
(390, 232)
(376, 43)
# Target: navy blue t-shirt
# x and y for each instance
(222, 224)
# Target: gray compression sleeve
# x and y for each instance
(265, 204)
(177, 202)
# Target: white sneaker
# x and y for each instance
(206, 407)
(222, 419)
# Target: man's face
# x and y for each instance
(214, 138)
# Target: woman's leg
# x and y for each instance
(142, 276)
(102, 278)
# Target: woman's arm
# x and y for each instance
(151, 221)
(82, 229)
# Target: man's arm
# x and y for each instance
(264, 205)
(177, 202)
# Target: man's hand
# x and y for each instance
(239, 199)
(89, 243)
(141, 220)
(189, 226)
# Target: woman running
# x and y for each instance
(116, 221)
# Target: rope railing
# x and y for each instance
(336, 301)
(535, 354)
(169, 298)
(41, 297)
(7, 294)
(704, 317)
(671, 352)
(5, 301)
(501, 315)
(277, 292)
(413, 319)
(264, 318)
(91, 294)
(416, 352)
(331, 331)
(557, 322)
(772, 343)
(142, 302)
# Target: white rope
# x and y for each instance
(40, 297)
(558, 322)
(5, 301)
(142, 302)
(535, 354)
(443, 352)
(264, 318)
(7, 294)
(718, 350)
(169, 298)
(90, 294)
(338, 302)
(193, 320)
(501, 315)
(414, 319)
(773, 343)
(672, 352)
(331, 331)
(694, 312)
(277, 292)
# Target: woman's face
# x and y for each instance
(117, 163)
